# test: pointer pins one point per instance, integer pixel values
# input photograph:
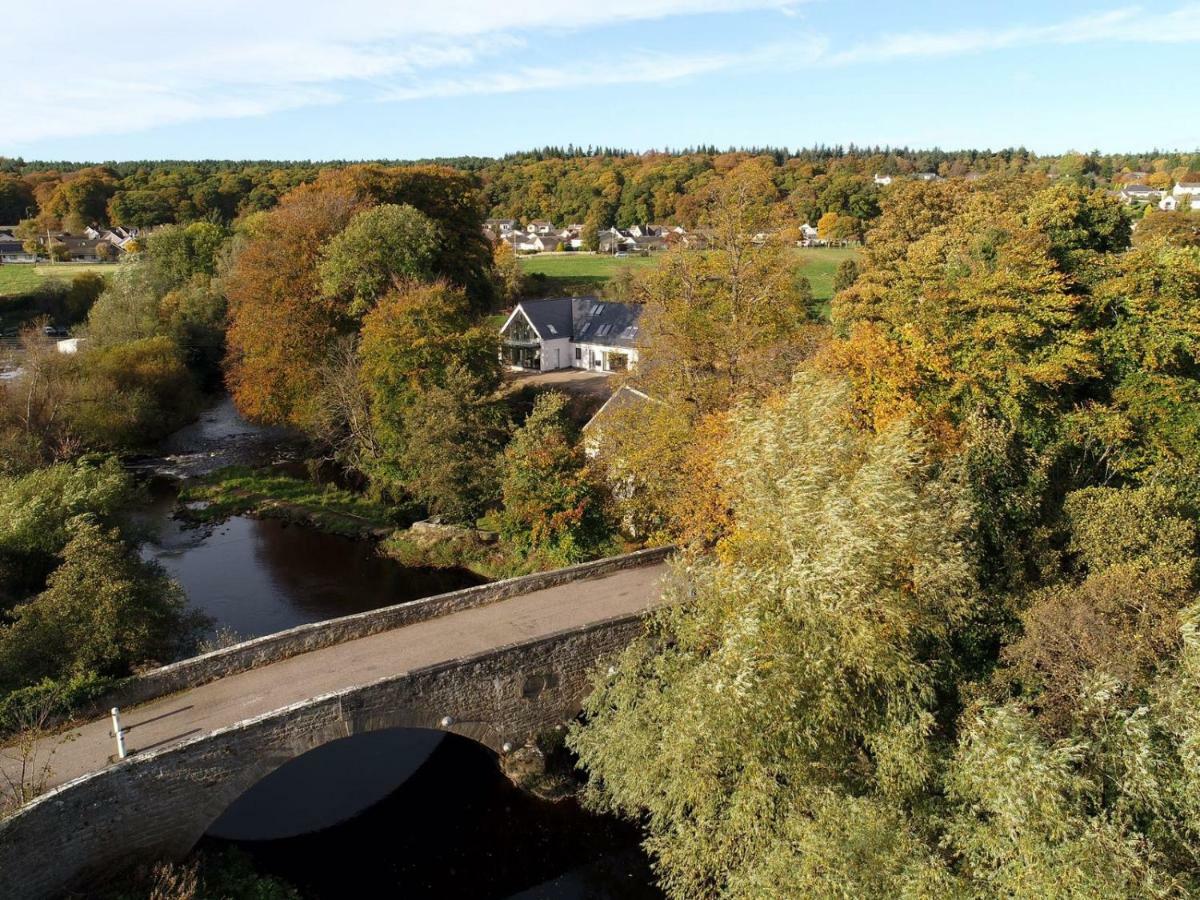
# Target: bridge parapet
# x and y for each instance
(157, 803)
(272, 648)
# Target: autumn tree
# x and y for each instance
(553, 509)
(281, 325)
(846, 275)
(104, 611)
(81, 199)
(721, 324)
(507, 273)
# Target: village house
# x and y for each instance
(1139, 193)
(571, 333)
(625, 397)
(117, 236)
(616, 240)
(540, 226)
(500, 226)
(1188, 185)
(883, 180)
(12, 249)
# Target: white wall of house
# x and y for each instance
(556, 354)
(1187, 189)
(591, 356)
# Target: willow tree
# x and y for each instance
(778, 728)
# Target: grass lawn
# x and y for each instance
(584, 272)
(577, 273)
(17, 279)
(819, 264)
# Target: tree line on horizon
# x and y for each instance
(601, 186)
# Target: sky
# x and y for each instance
(411, 79)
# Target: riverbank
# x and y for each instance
(273, 494)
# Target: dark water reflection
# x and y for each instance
(456, 828)
(259, 576)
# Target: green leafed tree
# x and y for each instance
(786, 704)
(104, 611)
(381, 245)
(553, 507)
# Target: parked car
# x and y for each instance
(55, 331)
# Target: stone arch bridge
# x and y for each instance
(496, 663)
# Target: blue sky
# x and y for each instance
(363, 79)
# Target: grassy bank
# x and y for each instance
(580, 273)
(241, 490)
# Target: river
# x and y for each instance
(401, 812)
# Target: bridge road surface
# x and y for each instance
(227, 701)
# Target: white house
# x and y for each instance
(1188, 187)
(500, 226)
(571, 333)
(1139, 193)
(1170, 203)
(884, 180)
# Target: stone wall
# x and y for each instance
(281, 645)
(158, 805)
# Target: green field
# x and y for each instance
(579, 273)
(18, 279)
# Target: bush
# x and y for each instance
(36, 512)
(104, 612)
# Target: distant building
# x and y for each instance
(1188, 186)
(884, 180)
(12, 250)
(500, 227)
(571, 333)
(1139, 193)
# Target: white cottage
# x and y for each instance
(571, 333)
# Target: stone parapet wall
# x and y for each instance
(272, 648)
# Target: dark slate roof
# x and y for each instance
(550, 318)
(604, 322)
(624, 398)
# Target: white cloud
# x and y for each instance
(1126, 25)
(176, 61)
(179, 61)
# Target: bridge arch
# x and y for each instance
(158, 804)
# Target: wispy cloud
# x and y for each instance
(1126, 25)
(171, 63)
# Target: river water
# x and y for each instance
(404, 812)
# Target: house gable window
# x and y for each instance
(520, 331)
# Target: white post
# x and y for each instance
(118, 732)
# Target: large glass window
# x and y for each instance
(520, 332)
